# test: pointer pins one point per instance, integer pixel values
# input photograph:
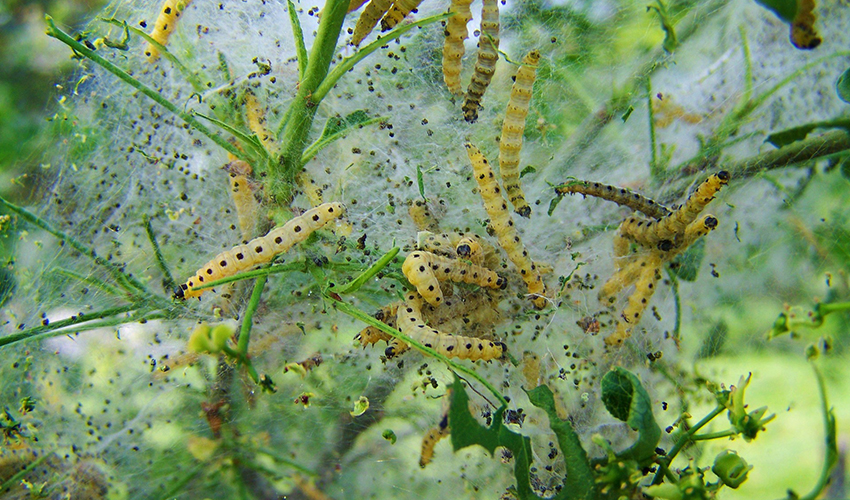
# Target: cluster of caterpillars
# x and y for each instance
(659, 237)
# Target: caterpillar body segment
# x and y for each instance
(638, 301)
(242, 194)
(675, 223)
(422, 216)
(453, 47)
(503, 225)
(629, 271)
(255, 115)
(430, 440)
(424, 270)
(513, 127)
(369, 18)
(485, 65)
(399, 10)
(618, 195)
(804, 35)
(354, 5)
(260, 250)
(411, 323)
(166, 22)
(449, 243)
(371, 335)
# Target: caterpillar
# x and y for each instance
(618, 195)
(355, 4)
(260, 250)
(628, 272)
(165, 24)
(449, 243)
(485, 65)
(422, 216)
(310, 188)
(430, 440)
(638, 301)
(804, 35)
(411, 323)
(424, 270)
(371, 335)
(368, 19)
(510, 144)
(469, 248)
(399, 10)
(503, 225)
(453, 47)
(256, 117)
(242, 194)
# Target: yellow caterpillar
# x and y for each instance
(503, 225)
(411, 323)
(256, 117)
(638, 301)
(618, 195)
(513, 127)
(399, 10)
(459, 245)
(368, 19)
(424, 270)
(485, 65)
(469, 248)
(242, 194)
(430, 440)
(165, 24)
(260, 250)
(371, 335)
(453, 48)
(804, 35)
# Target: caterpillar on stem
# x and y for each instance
(166, 22)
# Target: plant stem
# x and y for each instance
(831, 444)
(89, 280)
(248, 317)
(683, 440)
(677, 304)
(17, 477)
(713, 435)
(303, 108)
(322, 142)
(369, 320)
(63, 37)
(368, 274)
(298, 35)
(167, 278)
(654, 174)
(132, 285)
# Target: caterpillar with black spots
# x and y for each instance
(453, 47)
(430, 440)
(422, 216)
(399, 10)
(425, 270)
(260, 250)
(638, 301)
(165, 24)
(255, 115)
(411, 323)
(368, 19)
(618, 195)
(503, 225)
(485, 64)
(242, 194)
(469, 248)
(510, 143)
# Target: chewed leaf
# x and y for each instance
(626, 399)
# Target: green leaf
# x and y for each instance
(466, 431)
(627, 114)
(420, 182)
(337, 124)
(554, 204)
(686, 265)
(626, 399)
(785, 9)
(579, 481)
(529, 169)
(842, 86)
(785, 137)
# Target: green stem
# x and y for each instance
(298, 35)
(78, 47)
(677, 304)
(748, 64)
(89, 280)
(369, 320)
(248, 317)
(654, 174)
(177, 488)
(368, 274)
(831, 444)
(826, 308)
(244, 360)
(685, 439)
(289, 463)
(303, 108)
(132, 285)
(17, 477)
(160, 260)
(713, 435)
(349, 62)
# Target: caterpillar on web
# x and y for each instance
(618, 195)
(371, 335)
(430, 440)
(399, 10)
(485, 65)
(368, 19)
(453, 47)
(459, 245)
(503, 225)
(242, 194)
(469, 248)
(510, 144)
(411, 323)
(166, 22)
(256, 117)
(422, 216)
(424, 270)
(638, 301)
(260, 250)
